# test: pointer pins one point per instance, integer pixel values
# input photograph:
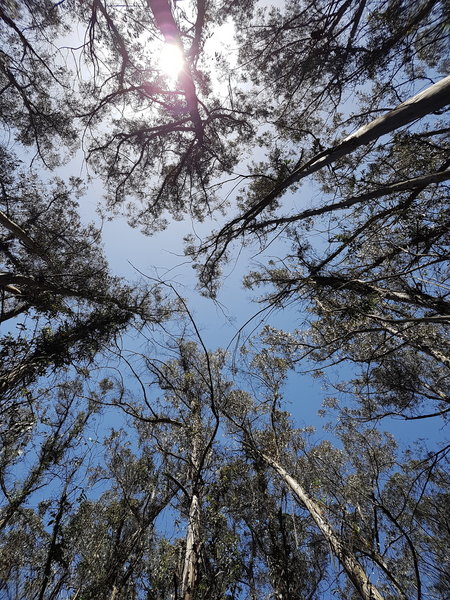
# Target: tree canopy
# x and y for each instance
(135, 461)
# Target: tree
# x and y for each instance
(194, 391)
(168, 470)
(360, 498)
(56, 279)
(34, 91)
(174, 136)
(44, 430)
(377, 287)
(379, 301)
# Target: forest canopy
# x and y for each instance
(137, 462)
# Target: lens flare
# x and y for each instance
(171, 60)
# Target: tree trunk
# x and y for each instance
(365, 288)
(346, 558)
(191, 556)
(165, 22)
(434, 98)
(191, 553)
(19, 233)
(415, 183)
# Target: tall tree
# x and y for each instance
(342, 99)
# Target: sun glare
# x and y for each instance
(171, 60)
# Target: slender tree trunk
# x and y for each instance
(165, 22)
(18, 232)
(415, 183)
(366, 288)
(434, 98)
(346, 558)
(14, 312)
(414, 342)
(190, 566)
(52, 549)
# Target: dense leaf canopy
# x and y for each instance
(137, 463)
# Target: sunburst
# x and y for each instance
(171, 60)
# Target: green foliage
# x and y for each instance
(142, 465)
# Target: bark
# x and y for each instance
(18, 232)
(415, 183)
(190, 567)
(346, 558)
(17, 284)
(191, 556)
(114, 593)
(194, 50)
(52, 551)
(434, 98)
(413, 341)
(412, 297)
(19, 309)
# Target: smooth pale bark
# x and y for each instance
(414, 341)
(18, 232)
(190, 566)
(434, 98)
(346, 558)
(191, 555)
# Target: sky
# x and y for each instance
(134, 256)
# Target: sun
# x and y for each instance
(171, 60)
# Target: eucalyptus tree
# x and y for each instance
(369, 252)
(55, 279)
(158, 139)
(270, 442)
(111, 540)
(378, 292)
(167, 141)
(304, 61)
(194, 389)
(40, 443)
(363, 500)
(81, 543)
(34, 90)
(280, 554)
(375, 286)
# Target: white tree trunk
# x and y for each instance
(346, 558)
(191, 555)
(191, 552)
(434, 98)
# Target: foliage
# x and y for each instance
(134, 462)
